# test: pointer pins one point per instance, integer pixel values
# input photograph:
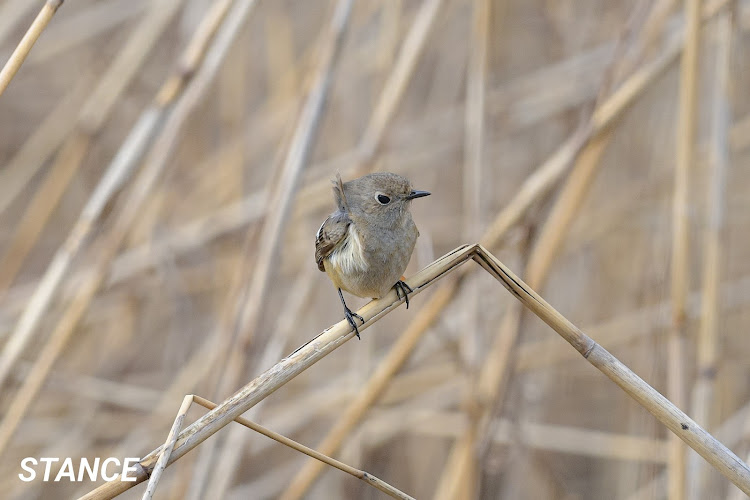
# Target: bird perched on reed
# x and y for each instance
(365, 245)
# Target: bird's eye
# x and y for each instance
(383, 199)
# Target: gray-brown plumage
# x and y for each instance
(366, 244)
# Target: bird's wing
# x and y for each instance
(331, 233)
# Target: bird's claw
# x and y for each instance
(350, 318)
(403, 289)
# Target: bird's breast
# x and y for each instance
(349, 256)
(368, 265)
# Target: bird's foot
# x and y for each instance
(403, 289)
(350, 318)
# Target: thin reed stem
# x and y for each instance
(329, 340)
(686, 126)
(27, 42)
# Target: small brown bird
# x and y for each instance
(365, 245)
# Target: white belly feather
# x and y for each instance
(349, 257)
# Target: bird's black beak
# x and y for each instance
(417, 194)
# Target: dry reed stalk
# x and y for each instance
(629, 327)
(459, 482)
(128, 211)
(631, 42)
(359, 474)
(474, 133)
(81, 27)
(409, 385)
(571, 196)
(686, 129)
(359, 161)
(652, 27)
(732, 431)
(203, 229)
(522, 102)
(40, 145)
(737, 493)
(381, 378)
(584, 442)
(189, 236)
(359, 366)
(641, 78)
(265, 486)
(528, 96)
(707, 10)
(126, 65)
(398, 78)
(226, 465)
(41, 207)
(118, 75)
(326, 400)
(289, 367)
(196, 369)
(199, 232)
(672, 417)
(492, 385)
(383, 113)
(226, 330)
(553, 437)
(707, 343)
(387, 43)
(559, 438)
(514, 154)
(556, 165)
(212, 350)
(99, 390)
(91, 118)
(233, 89)
(581, 176)
(318, 173)
(283, 77)
(459, 476)
(27, 42)
(530, 191)
(335, 336)
(11, 13)
(493, 376)
(81, 434)
(166, 450)
(250, 301)
(95, 111)
(118, 170)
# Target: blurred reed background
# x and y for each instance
(166, 163)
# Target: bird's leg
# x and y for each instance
(402, 288)
(351, 315)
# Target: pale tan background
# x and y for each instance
(546, 63)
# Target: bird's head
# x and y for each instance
(382, 198)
